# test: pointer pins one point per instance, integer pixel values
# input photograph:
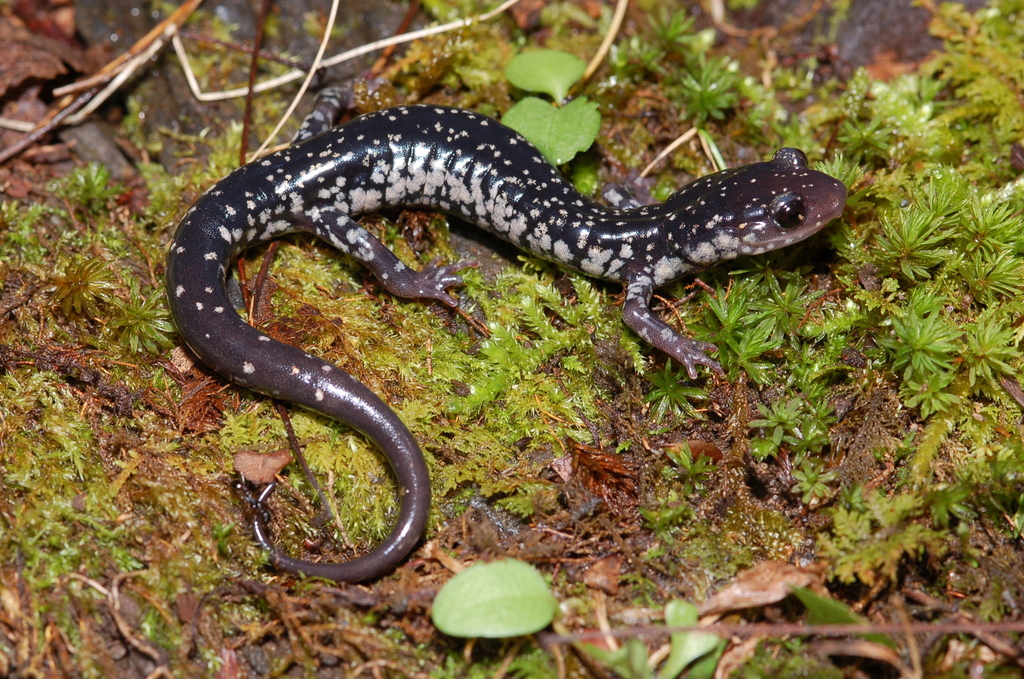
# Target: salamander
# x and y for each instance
(474, 168)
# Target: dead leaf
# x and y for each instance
(261, 468)
(603, 574)
(701, 448)
(26, 56)
(766, 583)
(182, 359)
(606, 475)
(886, 66)
(859, 648)
(562, 466)
(186, 606)
(527, 13)
(53, 19)
(228, 664)
(24, 104)
(736, 657)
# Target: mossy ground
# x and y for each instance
(871, 415)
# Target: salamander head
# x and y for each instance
(751, 209)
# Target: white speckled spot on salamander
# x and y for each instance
(473, 167)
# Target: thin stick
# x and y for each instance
(679, 141)
(46, 127)
(317, 60)
(127, 71)
(158, 34)
(410, 14)
(179, 48)
(609, 38)
(17, 125)
(254, 60)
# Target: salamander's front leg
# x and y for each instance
(431, 282)
(637, 314)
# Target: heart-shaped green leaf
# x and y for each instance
(506, 598)
(558, 133)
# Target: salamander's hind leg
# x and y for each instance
(432, 282)
(637, 314)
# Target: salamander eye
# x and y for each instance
(788, 211)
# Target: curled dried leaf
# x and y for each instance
(261, 468)
(766, 583)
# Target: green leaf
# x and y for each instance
(559, 133)
(707, 666)
(629, 661)
(495, 600)
(826, 611)
(549, 71)
(685, 647)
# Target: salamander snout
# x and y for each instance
(781, 202)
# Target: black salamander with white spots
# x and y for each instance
(475, 168)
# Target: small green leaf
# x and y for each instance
(685, 647)
(549, 71)
(825, 611)
(629, 661)
(496, 600)
(559, 133)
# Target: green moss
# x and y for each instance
(81, 286)
(529, 662)
(87, 189)
(871, 535)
